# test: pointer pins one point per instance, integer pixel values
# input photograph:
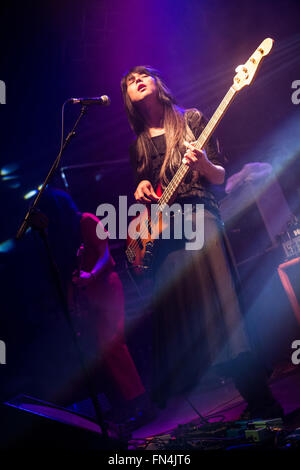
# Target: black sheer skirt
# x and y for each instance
(197, 319)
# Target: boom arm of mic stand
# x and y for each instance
(26, 222)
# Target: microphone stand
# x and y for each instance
(32, 219)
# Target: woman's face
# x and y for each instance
(140, 86)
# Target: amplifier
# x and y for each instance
(254, 215)
(290, 239)
(292, 247)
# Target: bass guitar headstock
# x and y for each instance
(246, 73)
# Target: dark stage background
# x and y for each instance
(54, 50)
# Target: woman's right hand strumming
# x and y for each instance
(145, 192)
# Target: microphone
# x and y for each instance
(103, 100)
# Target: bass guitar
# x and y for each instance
(143, 231)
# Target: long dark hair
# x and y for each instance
(173, 123)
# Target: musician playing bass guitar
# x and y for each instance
(197, 319)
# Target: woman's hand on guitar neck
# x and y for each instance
(197, 160)
(145, 192)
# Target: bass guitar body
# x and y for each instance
(143, 232)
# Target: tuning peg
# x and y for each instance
(240, 68)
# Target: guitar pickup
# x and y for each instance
(148, 253)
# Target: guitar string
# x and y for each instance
(180, 173)
(183, 169)
(163, 200)
(200, 143)
(160, 202)
(176, 180)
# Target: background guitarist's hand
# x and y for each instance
(145, 192)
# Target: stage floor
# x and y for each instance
(224, 400)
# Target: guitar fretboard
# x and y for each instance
(205, 135)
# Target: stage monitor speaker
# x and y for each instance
(27, 423)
